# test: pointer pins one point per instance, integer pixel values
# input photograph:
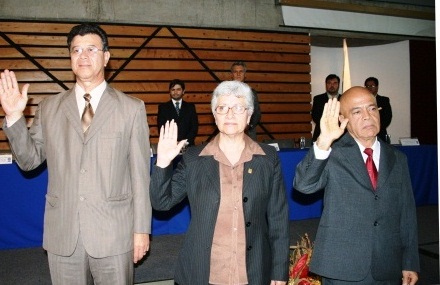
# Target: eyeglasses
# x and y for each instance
(88, 50)
(370, 86)
(236, 109)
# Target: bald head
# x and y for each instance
(359, 106)
(353, 94)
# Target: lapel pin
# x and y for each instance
(250, 170)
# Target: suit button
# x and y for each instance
(249, 247)
(83, 171)
(376, 197)
(248, 224)
(376, 223)
(245, 199)
(81, 198)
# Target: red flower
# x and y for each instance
(301, 269)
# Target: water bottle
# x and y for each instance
(388, 138)
(302, 142)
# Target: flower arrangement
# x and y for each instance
(300, 256)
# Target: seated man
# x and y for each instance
(183, 113)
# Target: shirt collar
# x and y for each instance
(251, 148)
(96, 93)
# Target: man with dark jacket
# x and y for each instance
(182, 112)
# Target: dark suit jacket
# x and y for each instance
(361, 229)
(97, 185)
(187, 121)
(317, 109)
(264, 205)
(256, 115)
(385, 113)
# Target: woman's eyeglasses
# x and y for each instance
(236, 109)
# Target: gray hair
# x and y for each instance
(239, 63)
(233, 88)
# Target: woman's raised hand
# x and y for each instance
(168, 147)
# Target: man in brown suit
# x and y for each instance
(98, 214)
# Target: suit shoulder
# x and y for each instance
(322, 96)
(397, 152)
(193, 152)
(269, 150)
(124, 97)
(189, 104)
(56, 100)
(163, 104)
(382, 98)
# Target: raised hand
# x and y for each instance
(168, 147)
(330, 128)
(12, 101)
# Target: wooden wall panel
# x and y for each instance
(145, 58)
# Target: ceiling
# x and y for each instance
(416, 9)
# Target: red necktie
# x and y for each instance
(372, 171)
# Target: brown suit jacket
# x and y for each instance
(99, 185)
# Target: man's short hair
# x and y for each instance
(175, 82)
(332, 76)
(239, 63)
(374, 79)
(85, 29)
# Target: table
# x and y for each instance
(23, 197)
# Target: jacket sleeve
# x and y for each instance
(408, 225)
(256, 115)
(168, 186)
(278, 221)
(194, 125)
(139, 159)
(27, 145)
(310, 174)
(387, 113)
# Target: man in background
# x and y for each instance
(182, 112)
(367, 233)
(332, 82)
(238, 73)
(95, 141)
(385, 112)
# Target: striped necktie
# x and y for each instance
(177, 108)
(87, 115)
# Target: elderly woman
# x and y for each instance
(239, 230)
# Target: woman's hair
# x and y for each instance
(233, 88)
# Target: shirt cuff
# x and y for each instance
(321, 154)
(9, 123)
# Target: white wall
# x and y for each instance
(388, 63)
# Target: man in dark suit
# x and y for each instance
(182, 112)
(386, 114)
(98, 214)
(332, 82)
(368, 230)
(238, 73)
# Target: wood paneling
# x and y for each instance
(144, 59)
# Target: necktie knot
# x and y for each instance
(87, 97)
(368, 151)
